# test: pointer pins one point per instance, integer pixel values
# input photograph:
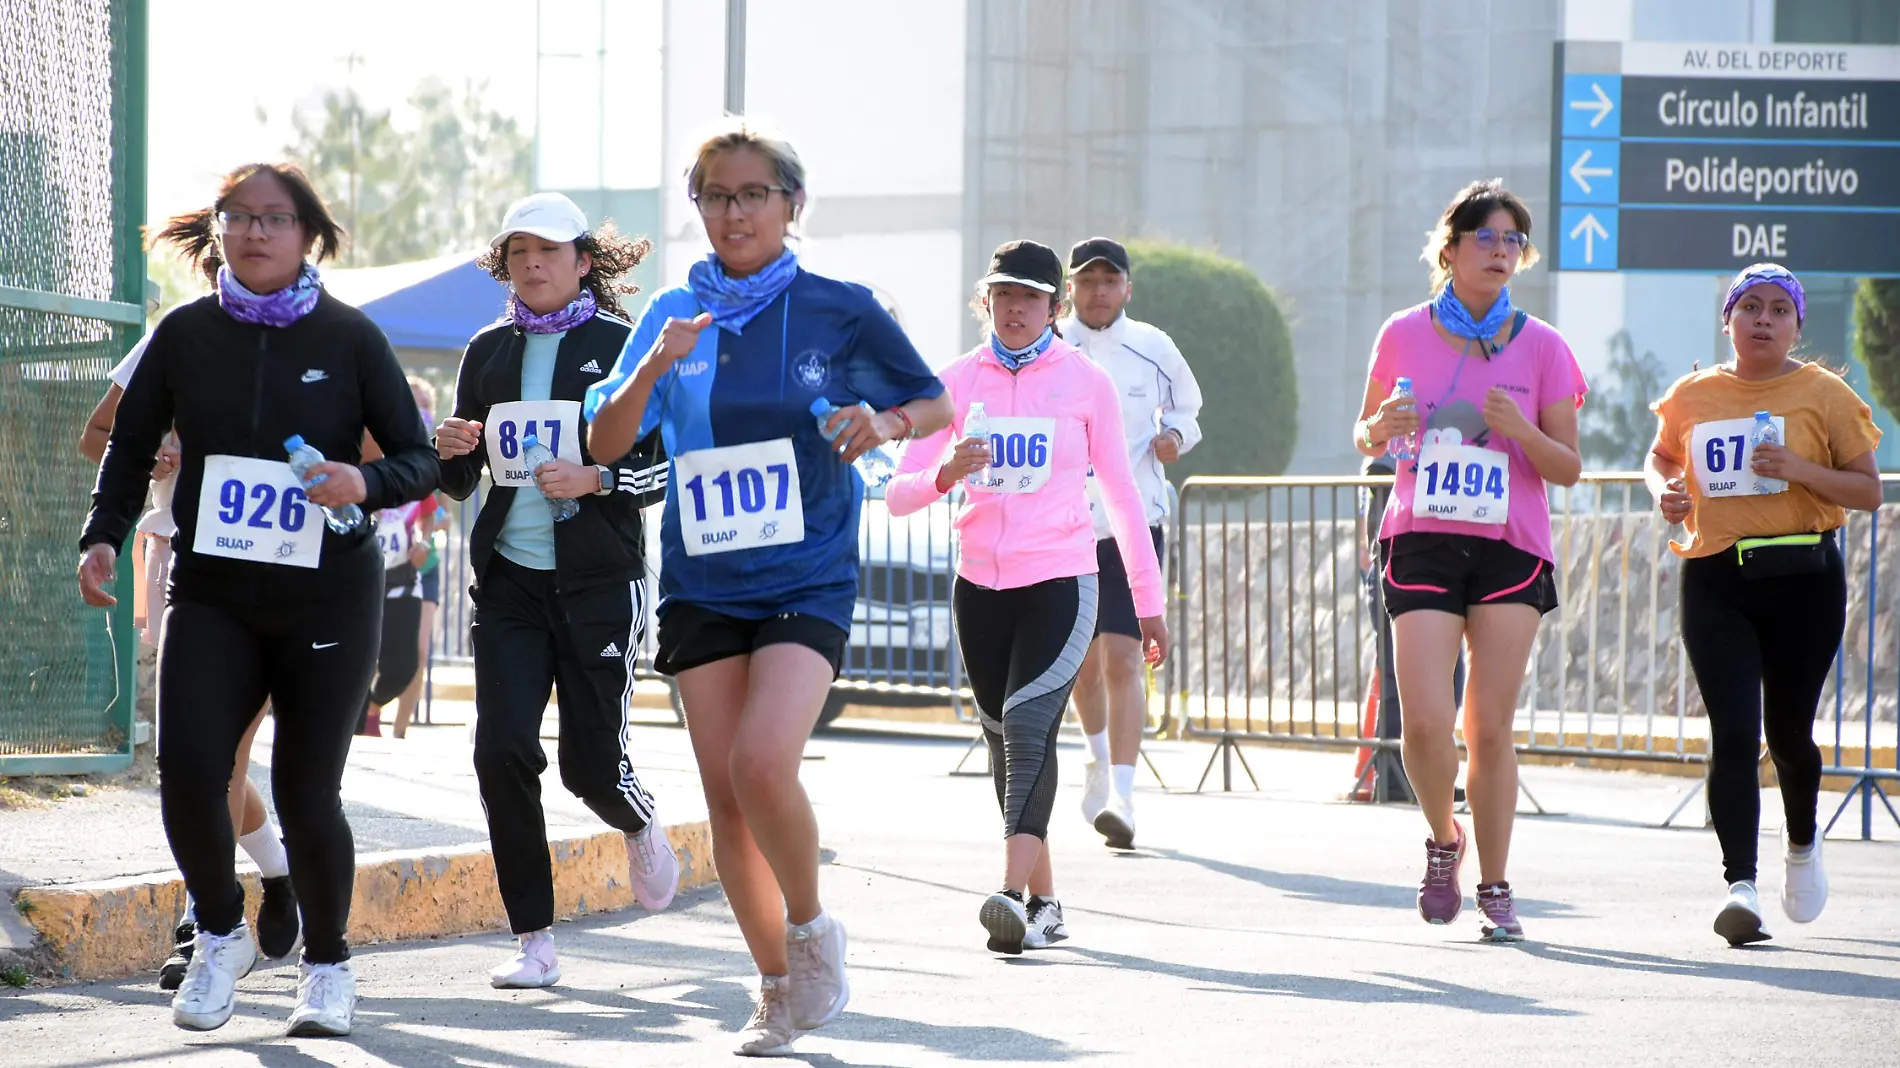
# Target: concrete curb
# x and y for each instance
(122, 927)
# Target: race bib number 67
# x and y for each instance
(251, 509)
(739, 497)
(1721, 453)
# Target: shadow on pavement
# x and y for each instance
(1331, 891)
(1416, 990)
(1745, 968)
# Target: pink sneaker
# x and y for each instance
(1440, 898)
(1500, 915)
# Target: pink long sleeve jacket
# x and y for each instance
(1049, 424)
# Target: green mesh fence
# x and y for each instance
(71, 284)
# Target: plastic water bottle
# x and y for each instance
(537, 454)
(303, 457)
(1405, 448)
(876, 466)
(977, 425)
(1765, 434)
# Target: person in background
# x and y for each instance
(1026, 588)
(267, 599)
(1764, 590)
(1160, 409)
(1465, 538)
(557, 605)
(754, 615)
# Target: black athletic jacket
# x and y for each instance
(238, 389)
(603, 542)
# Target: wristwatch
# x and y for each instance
(608, 480)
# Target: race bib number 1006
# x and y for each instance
(739, 497)
(1020, 454)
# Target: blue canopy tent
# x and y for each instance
(429, 309)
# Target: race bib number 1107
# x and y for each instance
(739, 497)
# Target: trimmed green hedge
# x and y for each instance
(1877, 337)
(1232, 331)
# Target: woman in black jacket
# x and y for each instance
(559, 602)
(266, 599)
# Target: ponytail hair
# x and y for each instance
(195, 233)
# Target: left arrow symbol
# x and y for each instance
(1581, 172)
(1591, 231)
(1602, 105)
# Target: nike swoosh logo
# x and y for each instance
(324, 645)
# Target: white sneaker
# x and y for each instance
(652, 868)
(819, 989)
(532, 967)
(1094, 791)
(1804, 887)
(326, 1000)
(1045, 924)
(1116, 822)
(1007, 922)
(1740, 918)
(209, 991)
(770, 1032)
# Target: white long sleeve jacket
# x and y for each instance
(1158, 393)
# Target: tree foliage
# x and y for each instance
(1877, 337)
(1233, 331)
(1617, 427)
(431, 180)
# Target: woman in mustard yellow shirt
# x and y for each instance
(1758, 460)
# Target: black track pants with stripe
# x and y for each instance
(1022, 649)
(581, 644)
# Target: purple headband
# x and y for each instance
(1770, 274)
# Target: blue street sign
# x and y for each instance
(1586, 239)
(1593, 105)
(1591, 172)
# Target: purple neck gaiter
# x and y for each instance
(281, 308)
(561, 320)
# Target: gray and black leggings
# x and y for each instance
(1022, 649)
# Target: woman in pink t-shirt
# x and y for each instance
(1489, 418)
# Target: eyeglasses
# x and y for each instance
(1488, 239)
(273, 222)
(750, 200)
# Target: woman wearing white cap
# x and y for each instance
(558, 575)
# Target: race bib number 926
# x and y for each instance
(251, 509)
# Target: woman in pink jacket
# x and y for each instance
(1026, 591)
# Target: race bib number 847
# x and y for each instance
(555, 424)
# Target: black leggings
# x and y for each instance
(218, 659)
(1761, 650)
(1021, 649)
(400, 656)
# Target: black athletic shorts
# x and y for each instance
(1115, 614)
(693, 635)
(1451, 572)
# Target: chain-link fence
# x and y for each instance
(72, 197)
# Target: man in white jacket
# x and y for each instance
(1160, 405)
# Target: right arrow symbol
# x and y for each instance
(1581, 172)
(1590, 230)
(1602, 105)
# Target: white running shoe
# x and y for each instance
(532, 967)
(326, 1000)
(819, 989)
(770, 1032)
(1007, 922)
(652, 868)
(1740, 918)
(1045, 924)
(1116, 823)
(209, 992)
(1094, 791)
(1804, 887)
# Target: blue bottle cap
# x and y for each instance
(530, 441)
(293, 443)
(820, 406)
(1405, 384)
(1762, 417)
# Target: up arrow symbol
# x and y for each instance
(1602, 105)
(1583, 173)
(1590, 230)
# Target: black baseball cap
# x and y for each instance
(1098, 248)
(1027, 264)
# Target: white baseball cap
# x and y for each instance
(548, 215)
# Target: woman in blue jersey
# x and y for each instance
(759, 562)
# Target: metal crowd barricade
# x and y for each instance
(1274, 640)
